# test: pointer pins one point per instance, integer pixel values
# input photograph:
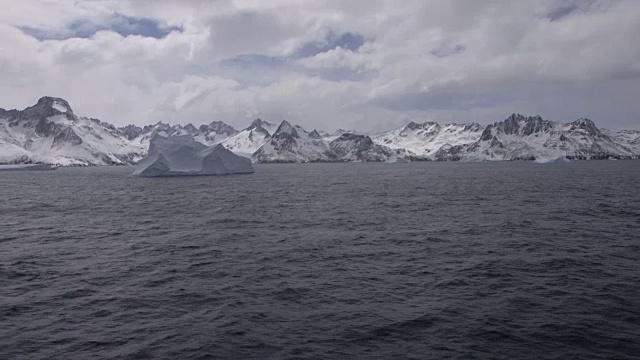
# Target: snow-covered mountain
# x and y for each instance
(527, 138)
(249, 140)
(211, 134)
(49, 132)
(354, 147)
(631, 138)
(293, 144)
(427, 138)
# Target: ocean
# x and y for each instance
(501, 260)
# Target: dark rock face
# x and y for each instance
(535, 125)
(260, 126)
(361, 140)
(425, 129)
(511, 125)
(290, 144)
(214, 128)
(413, 126)
(473, 127)
(37, 116)
(487, 134)
(190, 128)
(315, 134)
(219, 127)
(43, 109)
(450, 153)
(208, 131)
(515, 124)
(416, 126)
(285, 137)
(131, 131)
(67, 136)
(361, 146)
(256, 124)
(586, 125)
(45, 128)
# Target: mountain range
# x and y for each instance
(50, 132)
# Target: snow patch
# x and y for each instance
(60, 107)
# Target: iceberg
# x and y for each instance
(183, 156)
(397, 160)
(552, 160)
(474, 158)
(22, 167)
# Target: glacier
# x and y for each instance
(552, 159)
(183, 156)
(473, 158)
(397, 160)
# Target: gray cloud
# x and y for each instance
(370, 64)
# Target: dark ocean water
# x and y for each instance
(430, 260)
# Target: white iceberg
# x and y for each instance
(473, 158)
(552, 160)
(22, 167)
(183, 156)
(397, 160)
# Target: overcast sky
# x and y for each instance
(327, 64)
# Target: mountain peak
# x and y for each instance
(56, 103)
(190, 128)
(218, 127)
(46, 107)
(261, 126)
(315, 134)
(417, 126)
(520, 124)
(584, 122)
(256, 124)
(413, 126)
(515, 117)
(587, 125)
(286, 128)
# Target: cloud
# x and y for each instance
(370, 64)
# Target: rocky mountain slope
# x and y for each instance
(527, 138)
(249, 140)
(293, 144)
(427, 138)
(50, 132)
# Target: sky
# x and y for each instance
(360, 64)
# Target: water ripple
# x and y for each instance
(506, 260)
